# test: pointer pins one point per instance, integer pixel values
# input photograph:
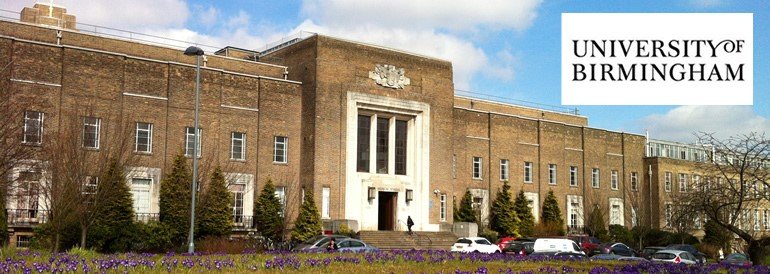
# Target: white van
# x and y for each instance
(558, 245)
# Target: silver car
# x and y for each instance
(674, 256)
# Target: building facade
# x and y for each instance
(375, 134)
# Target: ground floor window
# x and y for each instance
(325, 202)
(140, 191)
(442, 207)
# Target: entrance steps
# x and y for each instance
(388, 240)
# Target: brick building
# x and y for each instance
(377, 134)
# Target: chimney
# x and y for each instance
(49, 15)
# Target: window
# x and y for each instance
(238, 146)
(383, 132)
(23, 240)
(90, 185)
(527, 172)
(595, 178)
(766, 219)
(238, 189)
(616, 211)
(190, 141)
(756, 219)
(504, 170)
(682, 182)
(28, 194)
(477, 168)
(364, 127)
(143, 141)
(552, 174)
(401, 127)
(280, 192)
(279, 149)
(326, 194)
(614, 179)
(33, 127)
(140, 191)
(573, 176)
(668, 213)
(91, 132)
(442, 207)
(667, 182)
(634, 181)
(696, 181)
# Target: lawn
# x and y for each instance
(354, 263)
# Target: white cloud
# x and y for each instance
(446, 14)
(208, 17)
(680, 123)
(132, 15)
(241, 19)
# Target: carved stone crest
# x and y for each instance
(389, 76)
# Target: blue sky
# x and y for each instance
(504, 48)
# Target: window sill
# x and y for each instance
(527, 182)
(143, 153)
(32, 144)
(238, 160)
(550, 184)
(478, 179)
(575, 186)
(614, 189)
(281, 163)
(91, 148)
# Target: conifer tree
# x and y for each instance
(503, 218)
(551, 212)
(465, 213)
(596, 225)
(216, 215)
(113, 230)
(269, 213)
(524, 212)
(717, 235)
(308, 222)
(175, 194)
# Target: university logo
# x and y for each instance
(389, 76)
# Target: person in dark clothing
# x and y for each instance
(409, 223)
(332, 245)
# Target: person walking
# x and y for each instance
(409, 224)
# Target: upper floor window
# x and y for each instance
(682, 182)
(634, 181)
(573, 176)
(190, 142)
(364, 127)
(280, 149)
(667, 182)
(476, 167)
(504, 170)
(401, 127)
(91, 127)
(33, 127)
(527, 172)
(382, 145)
(389, 143)
(143, 140)
(238, 146)
(614, 179)
(595, 178)
(552, 174)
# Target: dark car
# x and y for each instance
(700, 256)
(589, 244)
(737, 259)
(617, 249)
(504, 241)
(648, 251)
(317, 242)
(521, 246)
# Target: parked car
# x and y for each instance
(674, 256)
(648, 251)
(354, 245)
(617, 249)
(318, 242)
(737, 259)
(589, 244)
(474, 244)
(556, 244)
(699, 256)
(504, 241)
(607, 257)
(561, 255)
(522, 246)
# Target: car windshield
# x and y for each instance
(313, 240)
(736, 257)
(464, 241)
(663, 256)
(482, 241)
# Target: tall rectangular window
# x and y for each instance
(383, 130)
(238, 146)
(280, 192)
(634, 181)
(696, 181)
(766, 219)
(476, 167)
(442, 207)
(401, 128)
(552, 174)
(91, 132)
(90, 186)
(667, 182)
(326, 194)
(614, 179)
(527, 172)
(237, 189)
(143, 140)
(280, 149)
(573, 176)
(756, 219)
(595, 178)
(503, 170)
(33, 127)
(668, 215)
(140, 192)
(364, 127)
(190, 141)
(682, 182)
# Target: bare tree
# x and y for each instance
(736, 184)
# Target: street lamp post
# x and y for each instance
(197, 52)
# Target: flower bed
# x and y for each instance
(405, 261)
